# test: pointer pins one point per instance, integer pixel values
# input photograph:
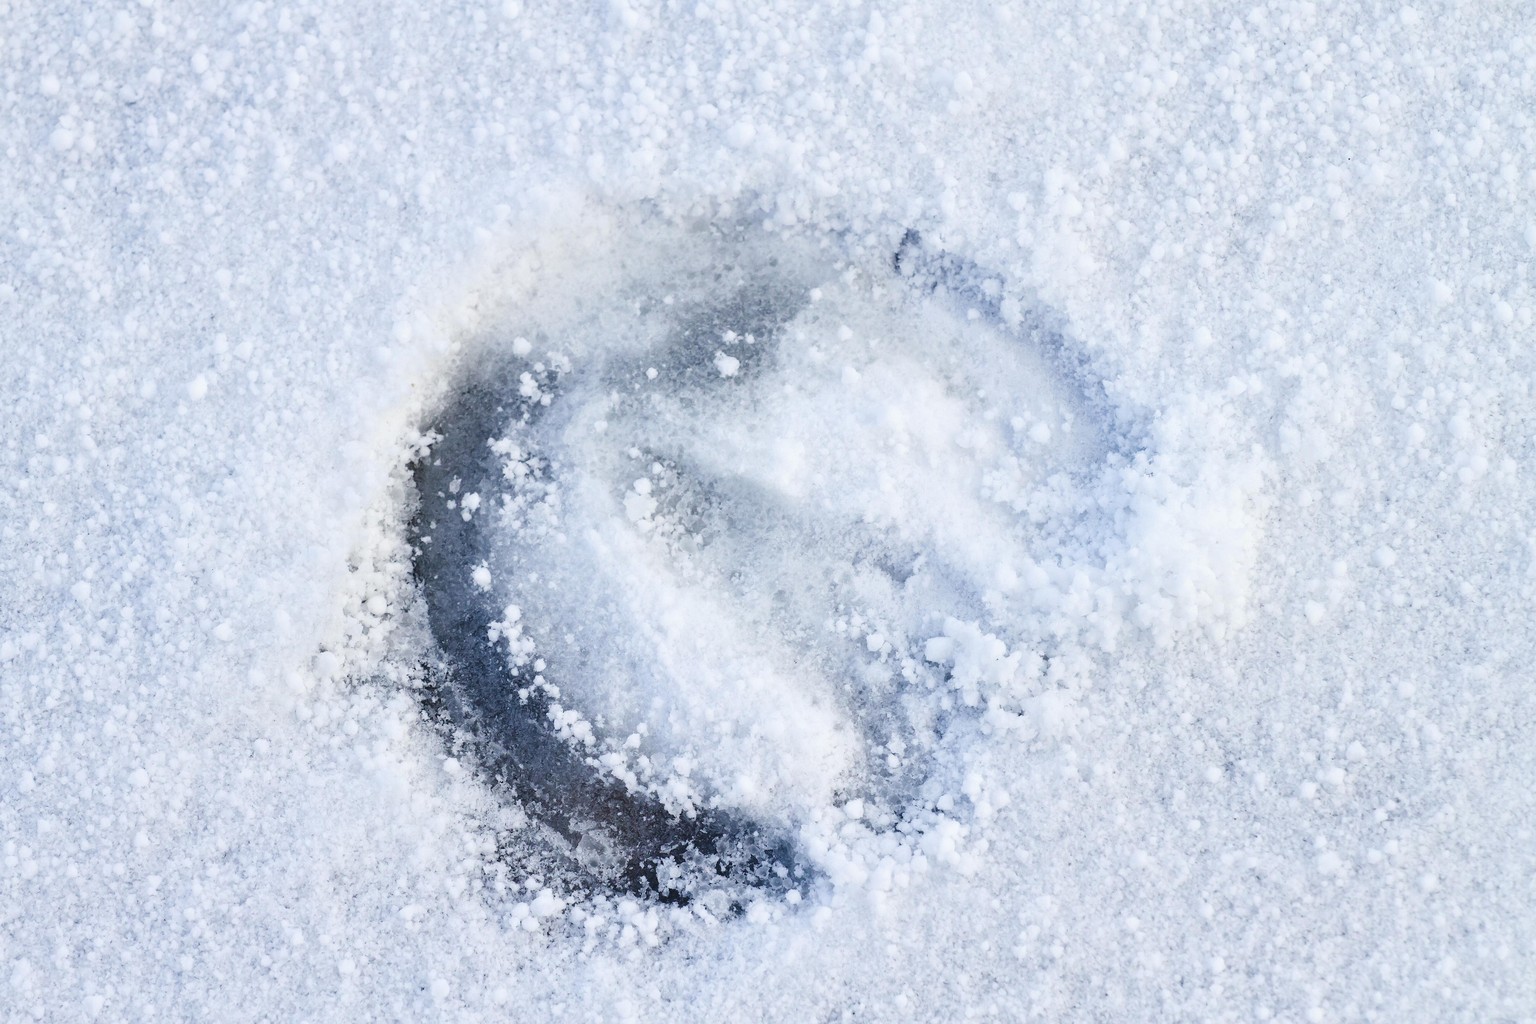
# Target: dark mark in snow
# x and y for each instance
(601, 835)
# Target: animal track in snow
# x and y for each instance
(695, 508)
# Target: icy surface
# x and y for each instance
(1064, 465)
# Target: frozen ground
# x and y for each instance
(1074, 558)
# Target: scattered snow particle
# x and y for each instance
(521, 346)
(197, 388)
(727, 365)
(638, 507)
(741, 134)
(1316, 612)
(1384, 558)
(546, 904)
(482, 576)
(62, 139)
(81, 591)
(1329, 863)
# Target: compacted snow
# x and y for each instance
(807, 512)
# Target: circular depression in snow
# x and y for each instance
(723, 537)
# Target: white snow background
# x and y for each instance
(1276, 763)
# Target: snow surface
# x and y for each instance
(1114, 569)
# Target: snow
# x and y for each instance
(1063, 469)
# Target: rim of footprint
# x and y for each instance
(733, 550)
